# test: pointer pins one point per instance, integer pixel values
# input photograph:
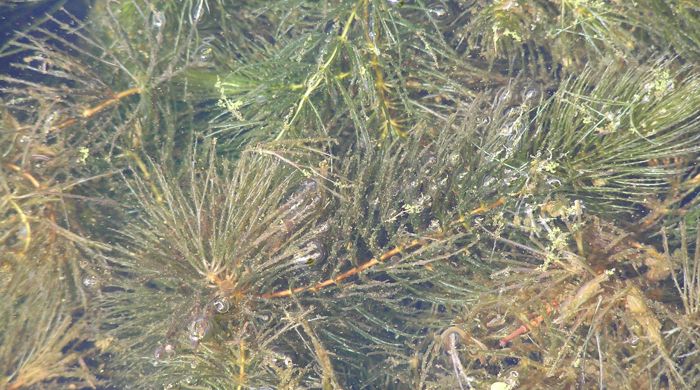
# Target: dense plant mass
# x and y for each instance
(356, 194)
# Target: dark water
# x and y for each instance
(16, 19)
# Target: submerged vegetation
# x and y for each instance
(351, 194)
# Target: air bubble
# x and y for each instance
(455, 160)
(22, 233)
(164, 351)
(496, 322)
(158, 19)
(499, 386)
(531, 94)
(438, 11)
(205, 53)
(512, 381)
(89, 281)
(221, 305)
(198, 329)
(198, 11)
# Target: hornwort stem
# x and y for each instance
(415, 244)
(24, 174)
(90, 112)
(535, 322)
(351, 272)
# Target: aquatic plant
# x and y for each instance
(47, 263)
(390, 194)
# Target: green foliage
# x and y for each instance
(619, 137)
(48, 263)
(366, 193)
(44, 340)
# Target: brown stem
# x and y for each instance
(535, 322)
(417, 243)
(353, 271)
(90, 112)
